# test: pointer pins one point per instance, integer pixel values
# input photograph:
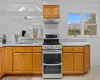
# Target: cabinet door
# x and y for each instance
(46, 11)
(17, 62)
(55, 12)
(27, 62)
(78, 62)
(8, 60)
(67, 63)
(1, 61)
(86, 58)
(37, 63)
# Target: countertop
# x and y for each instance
(40, 44)
(75, 43)
(35, 44)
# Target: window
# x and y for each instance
(82, 24)
(90, 25)
(74, 24)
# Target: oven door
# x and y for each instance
(52, 68)
(52, 57)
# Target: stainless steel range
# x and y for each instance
(52, 57)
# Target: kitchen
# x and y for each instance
(69, 44)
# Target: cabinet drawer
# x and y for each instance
(27, 49)
(78, 49)
(22, 49)
(67, 49)
(37, 49)
(17, 49)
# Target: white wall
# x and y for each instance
(9, 27)
(79, 6)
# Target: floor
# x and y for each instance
(94, 74)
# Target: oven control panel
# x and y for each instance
(52, 47)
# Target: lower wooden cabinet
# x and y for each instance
(27, 63)
(1, 61)
(67, 63)
(72, 63)
(86, 58)
(17, 62)
(8, 60)
(37, 63)
(22, 62)
(76, 59)
(78, 62)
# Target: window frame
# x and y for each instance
(82, 24)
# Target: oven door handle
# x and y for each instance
(45, 52)
(52, 64)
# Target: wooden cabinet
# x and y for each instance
(67, 63)
(76, 59)
(46, 12)
(51, 11)
(27, 60)
(37, 63)
(22, 62)
(86, 58)
(17, 62)
(78, 49)
(68, 49)
(27, 63)
(1, 61)
(22, 49)
(55, 12)
(37, 49)
(8, 60)
(78, 62)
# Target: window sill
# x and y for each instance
(87, 36)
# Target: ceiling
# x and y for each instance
(21, 7)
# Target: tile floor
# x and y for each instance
(94, 74)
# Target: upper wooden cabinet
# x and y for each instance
(51, 11)
(8, 60)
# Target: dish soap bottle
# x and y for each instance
(4, 39)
